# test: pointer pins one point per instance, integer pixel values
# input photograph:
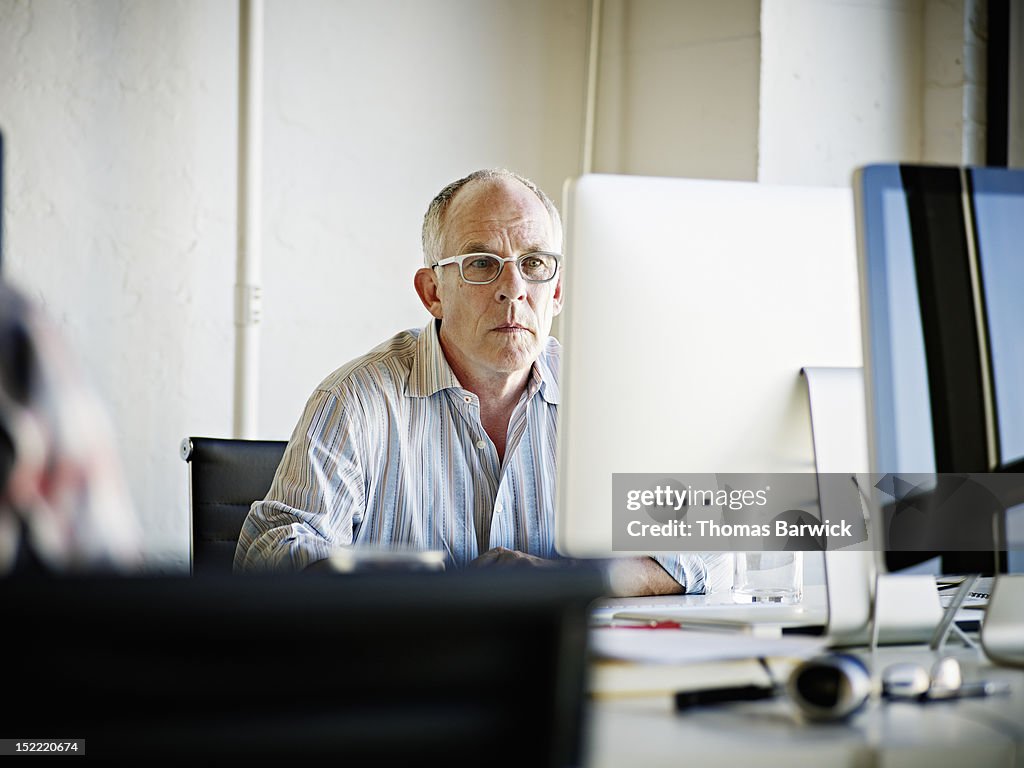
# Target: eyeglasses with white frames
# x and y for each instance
(483, 268)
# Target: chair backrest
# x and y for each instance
(225, 477)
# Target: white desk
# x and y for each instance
(641, 732)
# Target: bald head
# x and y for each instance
(435, 220)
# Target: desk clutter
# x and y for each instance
(705, 662)
(636, 661)
(701, 668)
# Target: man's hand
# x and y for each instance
(502, 557)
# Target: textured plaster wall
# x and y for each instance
(841, 86)
(118, 119)
(678, 88)
(850, 82)
(955, 81)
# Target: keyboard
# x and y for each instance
(976, 598)
(705, 609)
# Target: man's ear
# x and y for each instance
(427, 287)
(556, 300)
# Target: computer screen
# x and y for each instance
(941, 273)
(998, 206)
(691, 308)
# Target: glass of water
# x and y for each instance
(768, 577)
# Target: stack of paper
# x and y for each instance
(640, 661)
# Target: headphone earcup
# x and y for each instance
(831, 687)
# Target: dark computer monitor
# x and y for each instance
(462, 668)
(941, 272)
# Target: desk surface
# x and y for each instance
(646, 731)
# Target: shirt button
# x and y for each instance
(481, 444)
(468, 399)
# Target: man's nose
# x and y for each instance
(510, 284)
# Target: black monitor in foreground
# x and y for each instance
(465, 668)
(942, 267)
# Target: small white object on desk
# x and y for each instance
(675, 646)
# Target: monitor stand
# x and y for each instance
(1002, 631)
(865, 604)
(840, 445)
(948, 624)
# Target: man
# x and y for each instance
(445, 438)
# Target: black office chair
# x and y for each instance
(225, 477)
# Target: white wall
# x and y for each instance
(850, 82)
(120, 120)
(841, 85)
(678, 88)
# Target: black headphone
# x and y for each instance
(831, 687)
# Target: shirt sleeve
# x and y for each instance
(699, 572)
(317, 495)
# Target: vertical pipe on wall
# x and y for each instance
(590, 104)
(248, 291)
(976, 81)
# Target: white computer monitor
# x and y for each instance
(691, 308)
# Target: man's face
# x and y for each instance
(496, 329)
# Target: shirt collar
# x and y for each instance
(430, 372)
(545, 371)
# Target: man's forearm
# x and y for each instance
(636, 576)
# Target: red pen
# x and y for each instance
(692, 623)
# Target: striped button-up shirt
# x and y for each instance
(390, 450)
